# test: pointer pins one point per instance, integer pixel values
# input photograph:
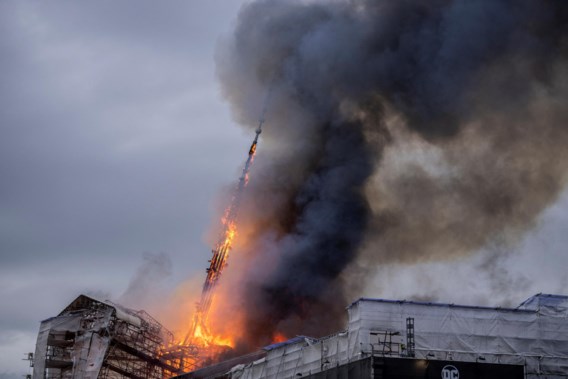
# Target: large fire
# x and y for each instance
(204, 338)
(200, 339)
(200, 333)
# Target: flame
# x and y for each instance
(200, 334)
(227, 243)
(203, 338)
(200, 337)
(230, 234)
(279, 337)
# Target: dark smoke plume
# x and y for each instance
(401, 131)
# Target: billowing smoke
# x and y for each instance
(400, 131)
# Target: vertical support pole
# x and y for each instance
(410, 345)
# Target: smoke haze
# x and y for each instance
(397, 132)
(144, 287)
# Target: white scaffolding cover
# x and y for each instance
(534, 335)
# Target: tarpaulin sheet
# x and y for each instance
(533, 336)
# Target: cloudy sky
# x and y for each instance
(115, 144)
(115, 147)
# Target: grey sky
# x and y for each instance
(115, 141)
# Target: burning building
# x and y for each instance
(400, 132)
(99, 339)
(397, 132)
(407, 339)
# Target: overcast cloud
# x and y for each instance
(115, 145)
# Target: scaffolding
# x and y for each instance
(410, 344)
(100, 339)
(405, 339)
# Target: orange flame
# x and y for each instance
(203, 338)
(200, 334)
(279, 337)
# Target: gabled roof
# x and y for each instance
(83, 302)
(221, 368)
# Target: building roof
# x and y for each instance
(532, 304)
(291, 341)
(224, 366)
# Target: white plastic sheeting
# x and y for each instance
(534, 335)
(303, 356)
(90, 337)
(85, 358)
(127, 317)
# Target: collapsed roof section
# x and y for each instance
(99, 339)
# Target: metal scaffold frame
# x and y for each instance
(96, 339)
